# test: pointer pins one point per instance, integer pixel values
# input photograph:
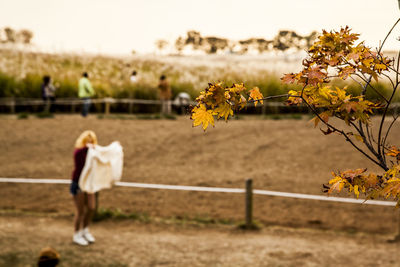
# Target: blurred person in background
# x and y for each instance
(182, 102)
(133, 77)
(86, 91)
(85, 203)
(48, 93)
(165, 95)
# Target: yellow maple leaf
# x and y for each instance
(356, 192)
(200, 115)
(367, 62)
(224, 110)
(256, 95)
(359, 138)
(379, 67)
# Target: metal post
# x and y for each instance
(249, 203)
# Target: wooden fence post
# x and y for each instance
(249, 203)
(130, 107)
(12, 105)
(107, 102)
(264, 109)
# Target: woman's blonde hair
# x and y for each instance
(85, 138)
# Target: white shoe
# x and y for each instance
(88, 236)
(79, 239)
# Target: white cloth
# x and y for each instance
(133, 79)
(103, 167)
(182, 99)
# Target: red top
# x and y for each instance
(79, 160)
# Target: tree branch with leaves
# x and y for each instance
(334, 55)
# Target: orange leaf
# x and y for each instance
(289, 78)
(256, 95)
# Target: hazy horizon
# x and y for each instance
(120, 26)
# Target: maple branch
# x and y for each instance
(397, 68)
(394, 89)
(351, 77)
(380, 164)
(376, 91)
(369, 136)
(387, 35)
(272, 97)
(389, 78)
(362, 134)
(367, 83)
(388, 130)
(361, 77)
(269, 97)
(380, 150)
(334, 129)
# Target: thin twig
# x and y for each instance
(380, 150)
(387, 132)
(388, 77)
(345, 135)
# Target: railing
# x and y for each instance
(248, 191)
(10, 104)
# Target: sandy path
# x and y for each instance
(127, 243)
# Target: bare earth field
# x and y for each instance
(282, 155)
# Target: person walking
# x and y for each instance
(85, 203)
(165, 95)
(134, 78)
(86, 91)
(48, 93)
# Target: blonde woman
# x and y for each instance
(84, 202)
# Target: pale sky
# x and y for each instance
(118, 26)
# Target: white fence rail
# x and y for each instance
(211, 189)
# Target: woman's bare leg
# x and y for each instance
(79, 200)
(90, 208)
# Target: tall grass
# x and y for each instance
(21, 74)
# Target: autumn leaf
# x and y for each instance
(356, 192)
(371, 180)
(350, 175)
(379, 67)
(256, 95)
(328, 131)
(201, 115)
(289, 78)
(294, 98)
(345, 72)
(354, 56)
(325, 116)
(316, 120)
(393, 152)
(224, 110)
(359, 138)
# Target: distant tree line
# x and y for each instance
(284, 40)
(10, 35)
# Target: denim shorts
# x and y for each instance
(74, 188)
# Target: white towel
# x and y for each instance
(103, 167)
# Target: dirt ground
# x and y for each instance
(127, 243)
(280, 155)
